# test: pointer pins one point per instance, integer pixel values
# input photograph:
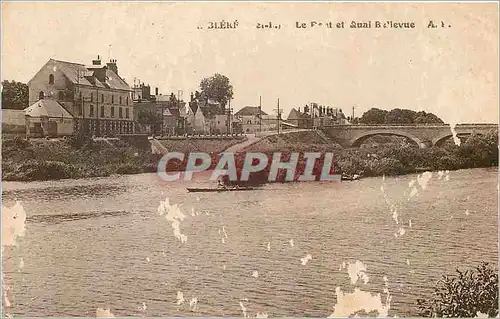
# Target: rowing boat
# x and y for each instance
(350, 177)
(208, 190)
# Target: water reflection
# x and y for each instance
(111, 249)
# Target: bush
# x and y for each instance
(128, 168)
(78, 141)
(44, 170)
(464, 295)
(383, 166)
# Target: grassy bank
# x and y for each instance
(39, 159)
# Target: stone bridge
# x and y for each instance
(423, 135)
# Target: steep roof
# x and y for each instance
(171, 111)
(48, 108)
(193, 107)
(250, 110)
(78, 73)
(296, 115)
(166, 112)
(207, 112)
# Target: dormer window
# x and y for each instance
(51, 79)
(41, 95)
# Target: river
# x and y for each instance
(101, 243)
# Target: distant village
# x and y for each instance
(67, 98)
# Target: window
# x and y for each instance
(91, 110)
(112, 111)
(60, 96)
(120, 100)
(126, 113)
(91, 97)
(80, 96)
(102, 110)
(102, 98)
(41, 95)
(112, 99)
(79, 110)
(127, 100)
(120, 112)
(51, 79)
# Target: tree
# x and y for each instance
(14, 95)
(399, 116)
(374, 116)
(468, 294)
(217, 88)
(427, 118)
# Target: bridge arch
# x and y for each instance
(358, 140)
(441, 139)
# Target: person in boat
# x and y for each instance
(220, 184)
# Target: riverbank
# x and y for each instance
(40, 159)
(73, 158)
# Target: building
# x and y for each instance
(205, 116)
(164, 111)
(254, 120)
(197, 121)
(96, 96)
(222, 124)
(171, 121)
(48, 118)
(316, 116)
(299, 119)
(141, 92)
(249, 117)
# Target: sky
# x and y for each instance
(451, 72)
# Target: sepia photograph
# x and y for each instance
(249, 159)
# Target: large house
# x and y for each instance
(254, 120)
(96, 96)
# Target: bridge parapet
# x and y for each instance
(423, 135)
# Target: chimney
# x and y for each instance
(192, 97)
(97, 62)
(146, 92)
(112, 66)
(156, 91)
